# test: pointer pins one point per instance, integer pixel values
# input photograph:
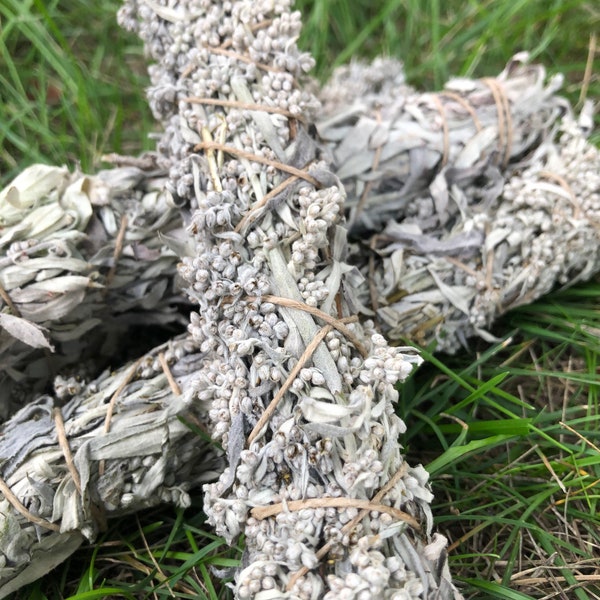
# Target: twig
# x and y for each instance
(117, 252)
(338, 324)
(167, 371)
(111, 405)
(270, 410)
(18, 506)
(64, 446)
(4, 295)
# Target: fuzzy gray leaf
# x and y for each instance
(29, 333)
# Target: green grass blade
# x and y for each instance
(496, 590)
(456, 454)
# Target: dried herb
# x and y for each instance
(390, 143)
(504, 209)
(119, 445)
(301, 394)
(469, 202)
(82, 259)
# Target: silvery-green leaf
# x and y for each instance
(465, 242)
(487, 336)
(399, 143)
(439, 193)
(40, 309)
(328, 430)
(262, 119)
(76, 203)
(493, 238)
(27, 332)
(55, 285)
(356, 163)
(28, 188)
(284, 212)
(379, 136)
(476, 147)
(177, 242)
(189, 135)
(168, 14)
(320, 393)
(361, 132)
(26, 271)
(37, 223)
(304, 322)
(235, 445)
(65, 333)
(315, 411)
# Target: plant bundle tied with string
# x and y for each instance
(121, 443)
(82, 259)
(484, 210)
(302, 395)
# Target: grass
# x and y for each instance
(510, 432)
(513, 441)
(71, 89)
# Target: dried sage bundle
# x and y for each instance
(82, 259)
(302, 395)
(119, 445)
(389, 143)
(450, 244)
(504, 244)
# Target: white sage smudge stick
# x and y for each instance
(451, 247)
(505, 244)
(302, 395)
(81, 260)
(120, 445)
(389, 142)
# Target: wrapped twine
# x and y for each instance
(493, 205)
(83, 258)
(301, 394)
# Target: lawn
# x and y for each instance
(510, 432)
